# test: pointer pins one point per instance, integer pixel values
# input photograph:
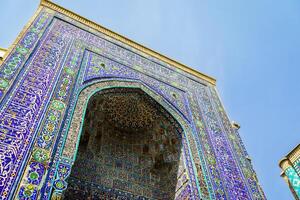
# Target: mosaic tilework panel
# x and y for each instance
(102, 67)
(238, 147)
(48, 131)
(21, 111)
(230, 172)
(204, 140)
(21, 52)
(41, 82)
(294, 180)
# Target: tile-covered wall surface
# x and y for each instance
(46, 83)
(290, 166)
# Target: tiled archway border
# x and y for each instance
(74, 130)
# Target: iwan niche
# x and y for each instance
(87, 113)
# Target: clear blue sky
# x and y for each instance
(251, 47)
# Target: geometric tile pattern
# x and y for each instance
(294, 180)
(46, 82)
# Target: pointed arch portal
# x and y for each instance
(86, 111)
(127, 142)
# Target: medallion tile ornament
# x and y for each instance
(80, 103)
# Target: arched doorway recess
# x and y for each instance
(184, 180)
(129, 146)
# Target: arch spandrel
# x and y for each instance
(103, 66)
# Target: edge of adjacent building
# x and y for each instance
(290, 166)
